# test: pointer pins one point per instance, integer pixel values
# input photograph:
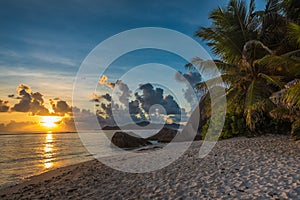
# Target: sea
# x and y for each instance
(23, 155)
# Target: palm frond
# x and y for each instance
(273, 6)
(251, 11)
(280, 112)
(294, 32)
(293, 96)
(232, 28)
(275, 80)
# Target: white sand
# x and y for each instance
(243, 168)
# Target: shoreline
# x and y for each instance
(265, 166)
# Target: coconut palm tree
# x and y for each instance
(247, 41)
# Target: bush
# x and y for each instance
(296, 130)
(234, 125)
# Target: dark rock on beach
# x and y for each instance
(165, 135)
(125, 140)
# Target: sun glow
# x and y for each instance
(50, 121)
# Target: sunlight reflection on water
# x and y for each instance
(48, 151)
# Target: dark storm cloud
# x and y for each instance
(134, 107)
(143, 102)
(4, 107)
(137, 108)
(171, 105)
(31, 102)
(190, 79)
(105, 110)
(151, 96)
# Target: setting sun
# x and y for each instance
(50, 121)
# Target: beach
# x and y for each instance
(265, 167)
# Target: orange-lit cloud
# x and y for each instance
(110, 85)
(4, 107)
(103, 81)
(97, 98)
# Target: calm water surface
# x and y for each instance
(27, 154)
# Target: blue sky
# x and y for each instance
(43, 42)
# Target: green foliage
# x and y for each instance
(291, 9)
(274, 126)
(234, 125)
(294, 31)
(293, 96)
(233, 26)
(296, 130)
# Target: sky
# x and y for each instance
(43, 43)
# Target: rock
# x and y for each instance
(164, 135)
(111, 128)
(125, 140)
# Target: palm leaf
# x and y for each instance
(275, 80)
(294, 32)
(293, 96)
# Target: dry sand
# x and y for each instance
(241, 168)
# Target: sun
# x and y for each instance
(50, 121)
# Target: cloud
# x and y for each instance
(14, 126)
(122, 91)
(125, 92)
(151, 96)
(97, 98)
(4, 107)
(139, 108)
(110, 85)
(190, 79)
(134, 107)
(103, 81)
(84, 119)
(60, 107)
(31, 102)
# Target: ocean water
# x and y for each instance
(26, 154)
(23, 155)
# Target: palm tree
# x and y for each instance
(249, 43)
